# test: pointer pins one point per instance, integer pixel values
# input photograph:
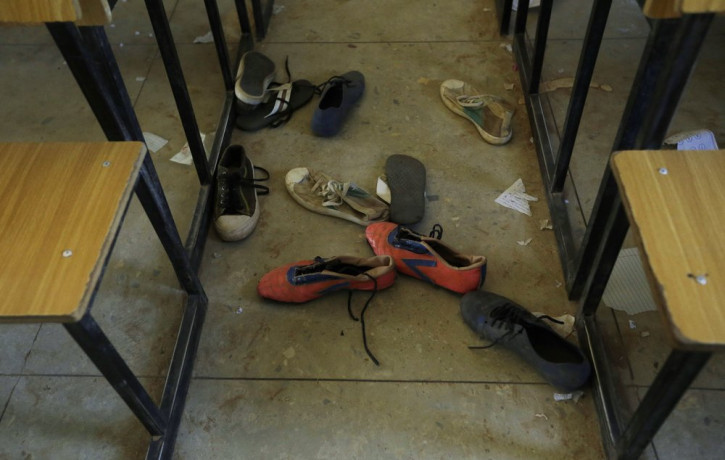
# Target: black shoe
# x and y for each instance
(339, 94)
(236, 210)
(502, 321)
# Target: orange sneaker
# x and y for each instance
(309, 279)
(426, 257)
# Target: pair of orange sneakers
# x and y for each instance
(397, 248)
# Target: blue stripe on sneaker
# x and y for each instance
(413, 264)
(483, 276)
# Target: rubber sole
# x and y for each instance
(406, 179)
(256, 72)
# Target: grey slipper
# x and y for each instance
(256, 71)
(406, 178)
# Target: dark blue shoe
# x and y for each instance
(503, 322)
(339, 94)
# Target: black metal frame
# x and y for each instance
(262, 15)
(91, 60)
(665, 67)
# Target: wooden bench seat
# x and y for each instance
(61, 205)
(676, 204)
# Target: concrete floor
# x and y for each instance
(293, 381)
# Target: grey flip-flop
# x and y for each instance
(256, 71)
(405, 176)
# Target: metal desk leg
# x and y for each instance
(153, 200)
(88, 334)
(503, 12)
(674, 378)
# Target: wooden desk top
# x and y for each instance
(664, 9)
(33, 12)
(678, 214)
(55, 198)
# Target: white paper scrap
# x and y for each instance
(524, 242)
(206, 38)
(700, 140)
(382, 190)
(515, 198)
(184, 155)
(575, 396)
(154, 142)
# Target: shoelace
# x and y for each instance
(320, 264)
(331, 191)
(334, 80)
(362, 316)
(508, 316)
(227, 182)
(470, 101)
(436, 232)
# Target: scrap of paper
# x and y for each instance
(699, 140)
(154, 142)
(515, 198)
(184, 155)
(382, 190)
(206, 38)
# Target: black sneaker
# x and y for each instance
(504, 322)
(236, 210)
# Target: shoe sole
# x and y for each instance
(406, 178)
(256, 72)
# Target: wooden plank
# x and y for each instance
(95, 13)
(702, 6)
(57, 197)
(661, 9)
(37, 11)
(678, 214)
(667, 9)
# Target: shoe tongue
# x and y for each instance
(404, 233)
(316, 267)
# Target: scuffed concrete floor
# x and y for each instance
(293, 381)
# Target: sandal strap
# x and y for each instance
(281, 103)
